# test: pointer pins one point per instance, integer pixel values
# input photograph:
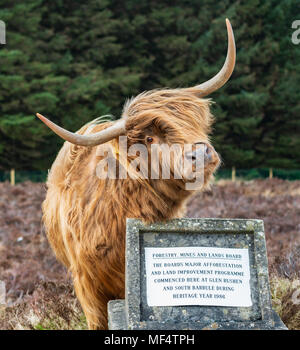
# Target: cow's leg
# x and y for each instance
(96, 282)
(92, 300)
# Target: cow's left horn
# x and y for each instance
(117, 129)
(224, 74)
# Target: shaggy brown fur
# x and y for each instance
(85, 217)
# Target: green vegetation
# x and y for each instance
(242, 174)
(57, 322)
(258, 173)
(74, 61)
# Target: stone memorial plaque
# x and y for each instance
(195, 274)
(198, 276)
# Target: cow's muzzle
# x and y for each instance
(203, 152)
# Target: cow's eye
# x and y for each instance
(149, 139)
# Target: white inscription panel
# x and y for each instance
(198, 276)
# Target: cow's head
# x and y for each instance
(167, 117)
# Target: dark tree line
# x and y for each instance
(76, 60)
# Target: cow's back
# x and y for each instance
(69, 184)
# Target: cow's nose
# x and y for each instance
(201, 150)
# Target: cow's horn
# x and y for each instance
(224, 74)
(118, 128)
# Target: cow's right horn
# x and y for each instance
(117, 129)
(224, 74)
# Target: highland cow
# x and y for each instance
(85, 217)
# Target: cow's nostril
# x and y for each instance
(191, 156)
(202, 150)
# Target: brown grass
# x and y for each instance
(51, 306)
